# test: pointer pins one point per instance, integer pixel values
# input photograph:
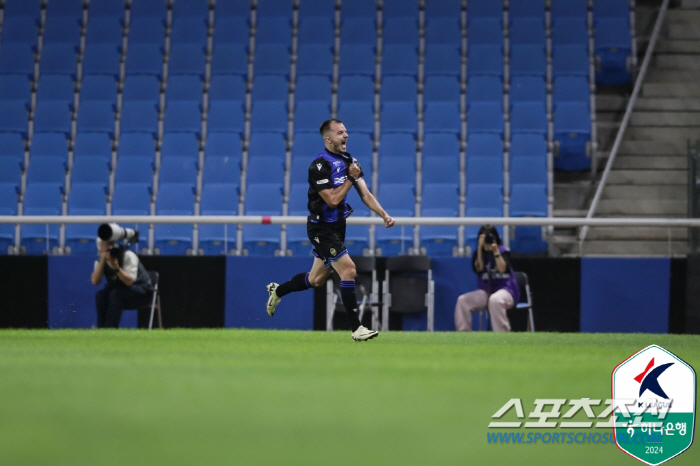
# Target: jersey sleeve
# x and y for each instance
(320, 175)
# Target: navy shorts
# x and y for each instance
(327, 239)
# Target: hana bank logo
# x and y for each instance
(664, 388)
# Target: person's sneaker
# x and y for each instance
(273, 300)
(363, 334)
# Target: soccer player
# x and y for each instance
(331, 175)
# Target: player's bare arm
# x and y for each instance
(370, 201)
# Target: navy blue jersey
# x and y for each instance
(328, 171)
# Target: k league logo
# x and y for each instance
(663, 415)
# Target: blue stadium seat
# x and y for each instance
(224, 169)
(485, 117)
(266, 145)
(84, 199)
(441, 88)
(399, 59)
(571, 89)
(306, 146)
(58, 59)
(528, 170)
(569, 9)
(14, 9)
(104, 29)
(92, 169)
(400, 30)
(357, 59)
(106, 9)
(484, 170)
(442, 117)
(528, 117)
(16, 58)
(274, 29)
(528, 60)
(485, 60)
(443, 59)
(297, 239)
(15, 87)
(227, 87)
(527, 9)
(13, 115)
(299, 169)
(358, 30)
(439, 200)
(316, 8)
(189, 30)
(134, 169)
(153, 8)
(315, 59)
(361, 8)
(443, 30)
(528, 145)
(218, 199)
(46, 169)
(10, 170)
(174, 199)
(572, 129)
(444, 9)
(183, 115)
(262, 199)
(262, 169)
(357, 116)
(398, 88)
(52, 87)
(528, 89)
(399, 199)
(20, 29)
(136, 144)
(186, 59)
(570, 31)
(41, 199)
(397, 145)
(12, 146)
(400, 8)
(101, 59)
(269, 115)
(196, 9)
(442, 169)
(146, 30)
(178, 169)
(184, 87)
(270, 88)
(185, 144)
(226, 116)
(528, 200)
(612, 9)
(570, 60)
(485, 31)
(144, 88)
(484, 196)
(399, 117)
(223, 144)
(229, 59)
(484, 89)
(313, 88)
(440, 144)
(315, 30)
(485, 9)
(99, 87)
(131, 199)
(52, 144)
(397, 169)
(484, 144)
(528, 31)
(144, 59)
(139, 116)
(231, 29)
(358, 88)
(308, 114)
(96, 115)
(613, 49)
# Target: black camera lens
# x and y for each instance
(114, 253)
(489, 239)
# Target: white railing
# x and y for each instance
(301, 220)
(625, 119)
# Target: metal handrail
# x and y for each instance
(626, 118)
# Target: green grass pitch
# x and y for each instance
(247, 397)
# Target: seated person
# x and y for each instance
(497, 286)
(128, 283)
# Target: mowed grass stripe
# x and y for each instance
(182, 397)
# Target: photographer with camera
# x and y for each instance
(128, 283)
(497, 286)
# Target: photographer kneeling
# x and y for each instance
(498, 288)
(128, 284)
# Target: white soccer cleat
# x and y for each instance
(364, 334)
(273, 300)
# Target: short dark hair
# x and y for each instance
(326, 125)
(486, 229)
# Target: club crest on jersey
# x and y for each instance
(332, 251)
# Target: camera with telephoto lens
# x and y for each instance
(111, 232)
(489, 238)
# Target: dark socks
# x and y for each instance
(347, 293)
(298, 282)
